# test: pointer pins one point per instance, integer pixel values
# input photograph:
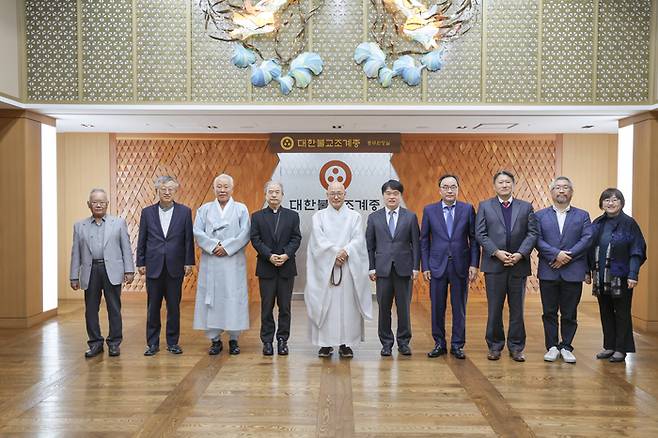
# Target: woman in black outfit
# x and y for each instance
(617, 252)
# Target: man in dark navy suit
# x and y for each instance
(450, 256)
(394, 259)
(276, 237)
(165, 254)
(563, 241)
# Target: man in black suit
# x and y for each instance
(165, 254)
(394, 256)
(276, 237)
(506, 229)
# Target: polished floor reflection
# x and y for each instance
(49, 389)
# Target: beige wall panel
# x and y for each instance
(645, 211)
(590, 161)
(9, 47)
(83, 163)
(20, 231)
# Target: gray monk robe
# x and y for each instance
(222, 299)
(337, 312)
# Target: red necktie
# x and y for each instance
(506, 204)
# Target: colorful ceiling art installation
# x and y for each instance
(269, 37)
(413, 34)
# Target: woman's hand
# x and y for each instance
(632, 283)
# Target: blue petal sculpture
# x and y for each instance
(242, 57)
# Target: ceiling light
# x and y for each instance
(462, 127)
(86, 125)
(337, 126)
(494, 126)
(587, 126)
(213, 127)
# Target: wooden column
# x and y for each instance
(21, 296)
(645, 212)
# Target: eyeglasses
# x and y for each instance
(562, 188)
(101, 203)
(453, 188)
(610, 201)
(167, 189)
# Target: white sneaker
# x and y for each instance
(568, 356)
(552, 354)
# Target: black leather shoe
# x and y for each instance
(437, 351)
(493, 355)
(517, 356)
(151, 350)
(94, 351)
(282, 347)
(404, 350)
(386, 351)
(174, 349)
(268, 350)
(114, 350)
(233, 347)
(458, 353)
(215, 348)
(325, 351)
(345, 351)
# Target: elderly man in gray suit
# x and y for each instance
(392, 238)
(101, 259)
(506, 229)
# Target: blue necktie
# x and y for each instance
(449, 218)
(391, 223)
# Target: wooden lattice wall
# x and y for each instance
(534, 160)
(194, 161)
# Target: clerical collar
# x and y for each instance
(509, 200)
(273, 210)
(166, 209)
(557, 210)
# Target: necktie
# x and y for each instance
(391, 222)
(506, 204)
(449, 218)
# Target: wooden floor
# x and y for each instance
(47, 388)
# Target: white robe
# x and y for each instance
(222, 299)
(337, 312)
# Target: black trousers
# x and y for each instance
(169, 288)
(617, 322)
(100, 284)
(458, 298)
(562, 296)
(277, 289)
(399, 288)
(500, 286)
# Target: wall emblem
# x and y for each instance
(335, 171)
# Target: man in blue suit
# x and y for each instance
(564, 235)
(450, 255)
(394, 259)
(165, 253)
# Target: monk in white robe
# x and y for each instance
(337, 294)
(221, 230)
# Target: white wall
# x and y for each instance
(10, 83)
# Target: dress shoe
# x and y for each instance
(233, 347)
(404, 350)
(268, 350)
(517, 356)
(345, 351)
(113, 350)
(386, 351)
(151, 350)
(215, 348)
(282, 347)
(325, 351)
(567, 356)
(552, 354)
(618, 357)
(94, 351)
(174, 349)
(437, 351)
(493, 355)
(605, 354)
(458, 353)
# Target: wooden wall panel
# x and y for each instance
(194, 161)
(83, 163)
(475, 159)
